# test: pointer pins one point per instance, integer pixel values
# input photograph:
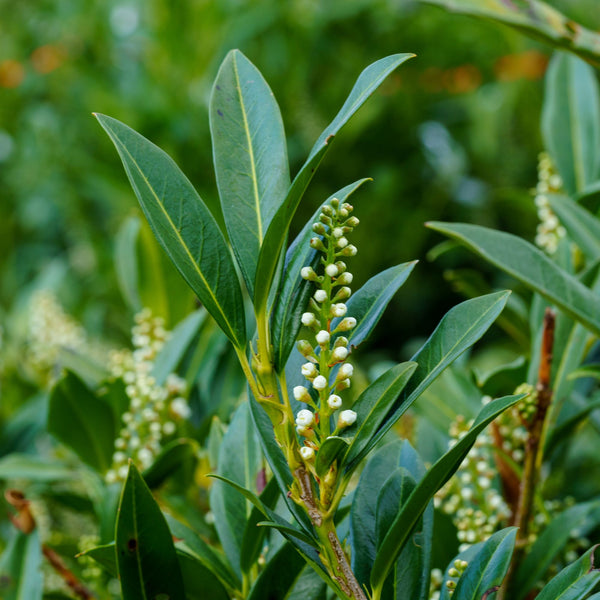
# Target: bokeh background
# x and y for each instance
(453, 135)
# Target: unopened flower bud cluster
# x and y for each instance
(154, 410)
(549, 230)
(327, 352)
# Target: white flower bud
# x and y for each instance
(323, 337)
(320, 295)
(305, 418)
(341, 341)
(304, 347)
(301, 393)
(346, 324)
(145, 457)
(320, 383)
(352, 222)
(343, 384)
(309, 370)
(337, 232)
(346, 418)
(308, 273)
(349, 250)
(331, 270)
(169, 428)
(342, 242)
(307, 453)
(343, 294)
(345, 278)
(334, 402)
(180, 408)
(319, 228)
(346, 371)
(110, 477)
(339, 310)
(119, 457)
(339, 354)
(122, 472)
(308, 319)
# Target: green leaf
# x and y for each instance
(368, 81)
(571, 120)
(531, 266)
(146, 559)
(575, 581)
(488, 567)
(279, 575)
(126, 265)
(105, 556)
(171, 458)
(191, 543)
(254, 536)
(369, 302)
(250, 157)
(434, 479)
(294, 292)
(184, 227)
(82, 421)
(371, 408)
(458, 330)
(581, 225)
(20, 568)
(551, 542)
(179, 341)
(33, 468)
(240, 460)
(331, 449)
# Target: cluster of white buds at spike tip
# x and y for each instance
(154, 410)
(549, 230)
(326, 369)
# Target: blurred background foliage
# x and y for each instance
(452, 136)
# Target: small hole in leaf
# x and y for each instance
(132, 545)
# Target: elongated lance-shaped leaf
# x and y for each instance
(184, 226)
(529, 265)
(146, 558)
(250, 157)
(575, 581)
(571, 121)
(535, 18)
(458, 330)
(371, 408)
(126, 265)
(487, 569)
(368, 81)
(582, 226)
(294, 292)
(434, 479)
(20, 568)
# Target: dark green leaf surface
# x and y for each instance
(250, 157)
(20, 568)
(575, 581)
(434, 479)
(331, 449)
(82, 421)
(170, 459)
(488, 567)
(368, 81)
(531, 266)
(240, 460)
(33, 468)
(371, 408)
(571, 120)
(183, 225)
(126, 265)
(146, 559)
(551, 541)
(294, 292)
(581, 225)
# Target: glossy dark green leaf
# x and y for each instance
(581, 225)
(277, 462)
(105, 556)
(433, 480)
(20, 568)
(308, 585)
(188, 541)
(548, 545)
(368, 81)
(369, 302)
(254, 536)
(294, 292)
(126, 266)
(34, 468)
(487, 569)
(458, 330)
(146, 559)
(250, 157)
(571, 120)
(82, 421)
(240, 460)
(532, 267)
(575, 581)
(171, 458)
(333, 448)
(279, 575)
(184, 227)
(371, 408)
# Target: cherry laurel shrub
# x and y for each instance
(310, 497)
